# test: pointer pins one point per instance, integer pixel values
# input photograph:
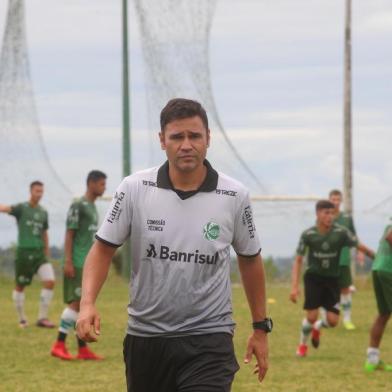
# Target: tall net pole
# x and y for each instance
(126, 251)
(347, 158)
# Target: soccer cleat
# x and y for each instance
(45, 323)
(23, 324)
(349, 325)
(302, 350)
(60, 351)
(315, 337)
(86, 353)
(371, 367)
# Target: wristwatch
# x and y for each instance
(265, 325)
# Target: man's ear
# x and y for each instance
(208, 138)
(162, 140)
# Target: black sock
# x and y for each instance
(61, 337)
(81, 343)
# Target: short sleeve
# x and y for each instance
(302, 246)
(116, 227)
(73, 216)
(350, 239)
(16, 210)
(352, 227)
(46, 222)
(245, 240)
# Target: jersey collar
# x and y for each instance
(209, 184)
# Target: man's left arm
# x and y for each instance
(253, 280)
(367, 251)
(45, 238)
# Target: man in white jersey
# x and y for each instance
(181, 219)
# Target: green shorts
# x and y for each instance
(345, 279)
(73, 287)
(27, 263)
(382, 284)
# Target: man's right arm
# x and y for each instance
(95, 271)
(296, 272)
(5, 208)
(69, 270)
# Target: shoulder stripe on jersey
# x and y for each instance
(250, 256)
(107, 242)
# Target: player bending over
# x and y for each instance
(382, 283)
(323, 244)
(32, 254)
(82, 223)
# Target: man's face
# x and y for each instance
(36, 193)
(97, 187)
(336, 200)
(185, 142)
(325, 217)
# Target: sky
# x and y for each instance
(277, 78)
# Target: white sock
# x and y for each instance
(305, 331)
(44, 301)
(320, 324)
(345, 303)
(19, 299)
(373, 355)
(68, 320)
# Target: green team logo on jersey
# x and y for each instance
(211, 231)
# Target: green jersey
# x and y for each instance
(345, 220)
(32, 223)
(83, 219)
(383, 260)
(323, 250)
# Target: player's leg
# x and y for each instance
(345, 281)
(312, 294)
(330, 302)
(206, 363)
(142, 354)
(46, 274)
(23, 277)
(382, 283)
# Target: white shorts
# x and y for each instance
(46, 272)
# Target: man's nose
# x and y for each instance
(186, 144)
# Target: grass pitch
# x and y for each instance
(25, 363)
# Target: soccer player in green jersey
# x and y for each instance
(82, 223)
(382, 283)
(322, 244)
(345, 279)
(31, 254)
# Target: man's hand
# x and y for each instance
(294, 294)
(258, 346)
(88, 324)
(69, 269)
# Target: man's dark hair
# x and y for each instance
(180, 108)
(36, 183)
(95, 175)
(324, 205)
(335, 192)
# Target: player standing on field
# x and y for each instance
(82, 224)
(32, 254)
(345, 279)
(382, 284)
(181, 219)
(323, 245)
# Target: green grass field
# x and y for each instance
(25, 363)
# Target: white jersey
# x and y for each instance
(180, 245)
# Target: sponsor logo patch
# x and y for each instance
(116, 210)
(211, 231)
(247, 220)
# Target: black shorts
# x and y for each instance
(195, 363)
(321, 291)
